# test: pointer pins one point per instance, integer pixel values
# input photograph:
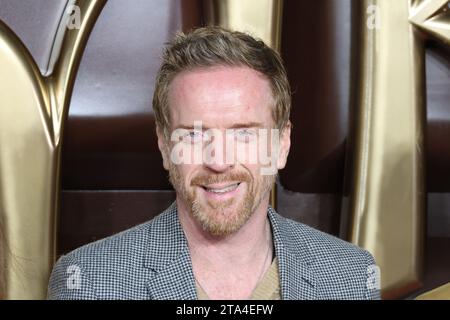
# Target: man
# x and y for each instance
(220, 98)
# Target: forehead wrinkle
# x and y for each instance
(233, 90)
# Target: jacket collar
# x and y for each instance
(168, 256)
(297, 281)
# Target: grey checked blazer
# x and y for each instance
(152, 261)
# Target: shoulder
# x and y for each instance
(323, 245)
(343, 270)
(110, 268)
(128, 243)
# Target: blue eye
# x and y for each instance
(245, 135)
(193, 136)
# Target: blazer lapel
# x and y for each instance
(172, 276)
(175, 282)
(168, 257)
(297, 281)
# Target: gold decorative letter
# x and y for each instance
(32, 110)
(388, 191)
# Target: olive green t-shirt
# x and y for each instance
(267, 289)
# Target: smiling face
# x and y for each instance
(220, 194)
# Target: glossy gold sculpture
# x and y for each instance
(440, 293)
(388, 195)
(32, 113)
(433, 17)
(261, 18)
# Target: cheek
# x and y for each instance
(187, 172)
(259, 181)
(255, 174)
(246, 153)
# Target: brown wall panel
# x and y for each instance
(438, 118)
(316, 50)
(93, 215)
(110, 142)
(316, 41)
(112, 173)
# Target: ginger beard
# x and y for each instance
(221, 218)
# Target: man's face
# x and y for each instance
(234, 103)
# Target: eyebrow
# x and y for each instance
(252, 124)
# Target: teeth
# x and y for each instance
(223, 190)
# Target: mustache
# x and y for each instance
(204, 179)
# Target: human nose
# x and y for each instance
(215, 154)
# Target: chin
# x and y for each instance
(224, 220)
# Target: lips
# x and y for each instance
(221, 189)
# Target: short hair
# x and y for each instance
(215, 46)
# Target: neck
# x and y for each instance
(229, 267)
(251, 240)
